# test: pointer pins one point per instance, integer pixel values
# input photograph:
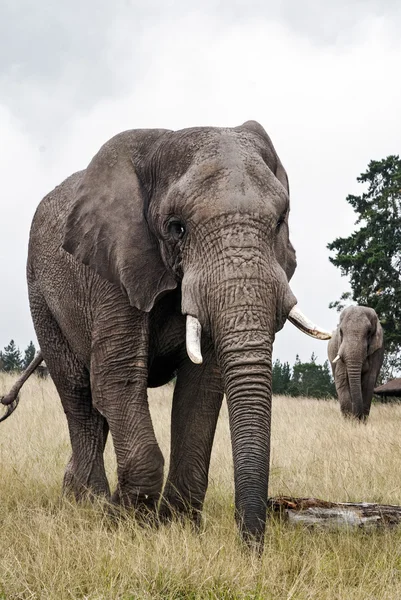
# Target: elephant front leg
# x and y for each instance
(197, 401)
(342, 388)
(368, 384)
(119, 387)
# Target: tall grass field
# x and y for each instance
(53, 548)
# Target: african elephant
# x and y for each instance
(168, 240)
(356, 355)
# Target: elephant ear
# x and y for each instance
(107, 229)
(377, 339)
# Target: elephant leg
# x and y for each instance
(85, 473)
(119, 374)
(342, 388)
(368, 384)
(197, 401)
(344, 396)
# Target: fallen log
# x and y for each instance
(315, 512)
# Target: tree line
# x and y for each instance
(12, 360)
(303, 379)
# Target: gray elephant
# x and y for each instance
(356, 352)
(168, 255)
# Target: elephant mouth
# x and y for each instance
(295, 316)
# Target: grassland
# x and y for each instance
(51, 548)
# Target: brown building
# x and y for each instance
(391, 389)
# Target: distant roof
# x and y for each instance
(391, 388)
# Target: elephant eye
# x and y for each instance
(176, 229)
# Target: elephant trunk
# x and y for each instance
(355, 388)
(243, 338)
(247, 382)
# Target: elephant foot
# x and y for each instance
(359, 418)
(142, 507)
(85, 488)
(175, 508)
(117, 513)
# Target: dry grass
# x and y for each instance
(51, 548)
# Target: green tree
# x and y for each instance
(281, 377)
(29, 355)
(311, 380)
(371, 256)
(11, 358)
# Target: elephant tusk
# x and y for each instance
(298, 319)
(337, 358)
(194, 330)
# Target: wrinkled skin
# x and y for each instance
(358, 340)
(162, 224)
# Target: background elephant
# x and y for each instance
(167, 236)
(356, 354)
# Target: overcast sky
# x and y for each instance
(322, 78)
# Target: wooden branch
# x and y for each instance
(312, 511)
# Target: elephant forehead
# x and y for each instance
(222, 185)
(204, 154)
(357, 317)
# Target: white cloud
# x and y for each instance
(329, 108)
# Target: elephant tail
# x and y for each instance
(11, 399)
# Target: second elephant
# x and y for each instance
(356, 354)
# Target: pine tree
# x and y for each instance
(11, 357)
(281, 377)
(29, 355)
(371, 256)
(311, 379)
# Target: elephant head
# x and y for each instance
(356, 355)
(204, 210)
